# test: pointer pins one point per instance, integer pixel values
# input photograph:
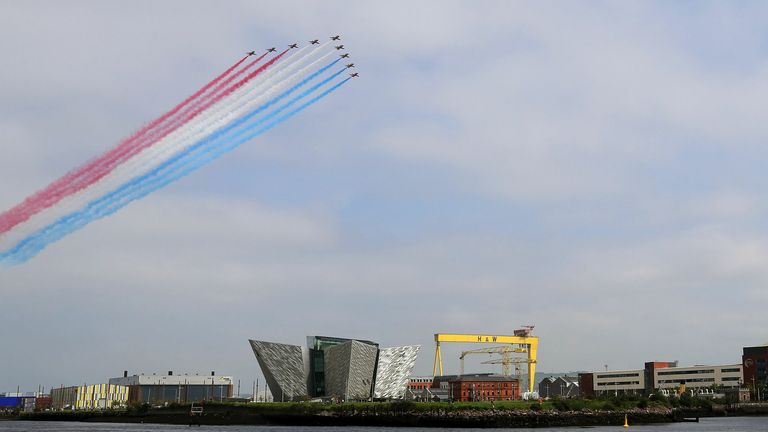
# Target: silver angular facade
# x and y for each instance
(349, 370)
(394, 367)
(284, 367)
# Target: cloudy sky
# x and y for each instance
(593, 168)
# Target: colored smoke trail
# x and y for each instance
(119, 154)
(142, 186)
(162, 150)
(61, 187)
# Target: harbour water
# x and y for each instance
(728, 424)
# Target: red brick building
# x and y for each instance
(587, 384)
(755, 366)
(484, 388)
(419, 383)
(43, 403)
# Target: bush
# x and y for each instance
(686, 400)
(561, 405)
(610, 405)
(402, 406)
(138, 408)
(535, 406)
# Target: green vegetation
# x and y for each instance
(606, 404)
(620, 403)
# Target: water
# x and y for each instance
(731, 424)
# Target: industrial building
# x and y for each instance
(345, 369)
(30, 401)
(563, 387)
(659, 376)
(160, 389)
(89, 397)
(13, 402)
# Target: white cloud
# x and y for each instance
(579, 128)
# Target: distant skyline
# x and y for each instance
(593, 168)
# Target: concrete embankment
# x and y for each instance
(493, 418)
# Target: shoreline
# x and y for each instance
(391, 416)
(433, 418)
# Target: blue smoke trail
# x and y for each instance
(144, 185)
(174, 162)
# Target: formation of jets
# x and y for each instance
(315, 42)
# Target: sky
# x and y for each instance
(595, 169)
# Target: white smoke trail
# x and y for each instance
(172, 169)
(216, 117)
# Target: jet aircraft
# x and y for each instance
(293, 46)
(354, 75)
(351, 65)
(344, 55)
(250, 53)
(339, 47)
(337, 37)
(314, 41)
(272, 49)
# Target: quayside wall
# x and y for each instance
(445, 418)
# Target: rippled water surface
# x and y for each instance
(732, 424)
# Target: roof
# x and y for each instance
(485, 378)
(569, 381)
(172, 380)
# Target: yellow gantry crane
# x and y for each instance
(521, 340)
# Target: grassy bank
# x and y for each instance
(573, 412)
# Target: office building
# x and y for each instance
(664, 376)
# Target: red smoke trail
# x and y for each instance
(98, 168)
(119, 154)
(175, 124)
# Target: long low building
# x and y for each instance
(89, 397)
(697, 377)
(659, 376)
(345, 369)
(160, 389)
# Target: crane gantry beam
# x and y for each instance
(522, 339)
(506, 360)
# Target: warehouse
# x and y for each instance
(161, 389)
(89, 397)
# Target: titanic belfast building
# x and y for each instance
(348, 369)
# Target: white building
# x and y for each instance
(697, 377)
(664, 376)
(619, 382)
